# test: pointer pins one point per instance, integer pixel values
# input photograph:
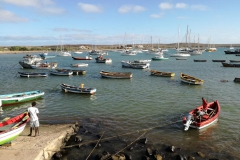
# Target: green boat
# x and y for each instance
(11, 128)
(9, 99)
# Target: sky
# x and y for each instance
(111, 22)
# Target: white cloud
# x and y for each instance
(29, 3)
(7, 16)
(165, 6)
(181, 5)
(138, 9)
(52, 10)
(157, 15)
(199, 7)
(42, 6)
(89, 8)
(131, 8)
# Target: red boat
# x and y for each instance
(206, 118)
(82, 58)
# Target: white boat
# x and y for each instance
(100, 59)
(143, 61)
(178, 54)
(231, 47)
(128, 64)
(65, 54)
(78, 52)
(159, 57)
(79, 65)
(128, 53)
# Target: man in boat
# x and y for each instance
(33, 114)
(205, 104)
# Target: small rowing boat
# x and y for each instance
(116, 75)
(190, 79)
(33, 74)
(14, 98)
(200, 118)
(11, 128)
(162, 74)
(75, 89)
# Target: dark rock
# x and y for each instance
(78, 138)
(190, 158)
(170, 149)
(145, 158)
(179, 157)
(149, 152)
(131, 148)
(128, 157)
(105, 155)
(57, 155)
(143, 140)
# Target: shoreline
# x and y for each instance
(42, 147)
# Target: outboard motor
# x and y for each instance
(189, 121)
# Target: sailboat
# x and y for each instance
(178, 54)
(196, 52)
(231, 47)
(64, 53)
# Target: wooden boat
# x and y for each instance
(234, 61)
(38, 65)
(33, 74)
(162, 74)
(237, 51)
(218, 60)
(75, 89)
(183, 58)
(79, 65)
(14, 98)
(236, 80)
(11, 128)
(230, 64)
(100, 59)
(75, 71)
(116, 75)
(200, 60)
(82, 58)
(190, 79)
(210, 116)
(61, 72)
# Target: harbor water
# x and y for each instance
(125, 105)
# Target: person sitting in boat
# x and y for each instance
(198, 114)
(205, 104)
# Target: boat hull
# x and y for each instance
(162, 74)
(78, 90)
(10, 99)
(190, 79)
(28, 74)
(116, 75)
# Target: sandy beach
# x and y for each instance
(41, 147)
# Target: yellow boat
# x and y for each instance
(190, 79)
(162, 74)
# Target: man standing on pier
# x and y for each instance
(34, 123)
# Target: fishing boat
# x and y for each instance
(207, 118)
(11, 128)
(129, 53)
(159, 57)
(162, 74)
(236, 80)
(181, 58)
(200, 60)
(237, 51)
(61, 72)
(38, 65)
(75, 71)
(75, 89)
(116, 75)
(79, 65)
(32, 74)
(225, 64)
(100, 59)
(128, 64)
(15, 98)
(45, 55)
(190, 79)
(234, 61)
(82, 58)
(78, 52)
(218, 60)
(142, 61)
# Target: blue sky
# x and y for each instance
(43, 22)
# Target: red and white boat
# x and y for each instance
(206, 118)
(82, 58)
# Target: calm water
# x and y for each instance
(142, 102)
